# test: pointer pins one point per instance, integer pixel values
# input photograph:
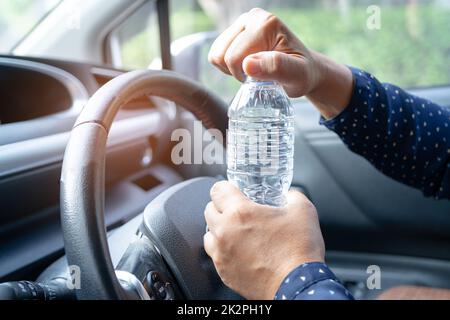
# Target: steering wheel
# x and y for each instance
(170, 247)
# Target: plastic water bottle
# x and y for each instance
(260, 142)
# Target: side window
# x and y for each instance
(409, 33)
(193, 30)
(404, 42)
(134, 44)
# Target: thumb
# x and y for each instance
(224, 193)
(273, 65)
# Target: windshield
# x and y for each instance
(18, 17)
(405, 42)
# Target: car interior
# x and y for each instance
(87, 184)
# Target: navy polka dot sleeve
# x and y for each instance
(406, 137)
(312, 281)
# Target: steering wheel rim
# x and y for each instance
(83, 172)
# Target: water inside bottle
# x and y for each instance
(260, 142)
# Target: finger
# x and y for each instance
(274, 65)
(216, 54)
(253, 39)
(241, 46)
(209, 243)
(212, 216)
(247, 37)
(224, 193)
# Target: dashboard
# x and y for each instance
(40, 101)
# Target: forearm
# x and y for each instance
(334, 90)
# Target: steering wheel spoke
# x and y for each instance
(133, 288)
(142, 267)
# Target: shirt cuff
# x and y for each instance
(305, 276)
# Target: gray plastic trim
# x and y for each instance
(76, 89)
(34, 153)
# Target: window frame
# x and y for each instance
(111, 46)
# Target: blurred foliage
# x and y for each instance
(138, 51)
(409, 54)
(17, 17)
(13, 11)
(185, 21)
(412, 48)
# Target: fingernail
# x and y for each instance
(216, 186)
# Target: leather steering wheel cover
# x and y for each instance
(105, 103)
(83, 170)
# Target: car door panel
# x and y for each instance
(359, 207)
